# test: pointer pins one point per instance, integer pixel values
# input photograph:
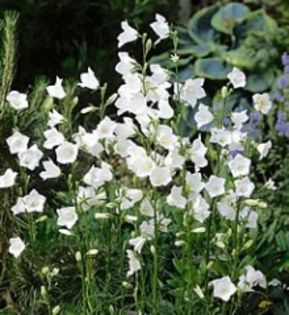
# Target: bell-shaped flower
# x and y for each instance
(16, 246)
(161, 27)
(30, 158)
(203, 116)
(8, 178)
(192, 91)
(56, 90)
(237, 78)
(89, 80)
(55, 118)
(244, 187)
(134, 264)
(262, 102)
(175, 198)
(224, 288)
(215, 186)
(264, 149)
(67, 216)
(128, 35)
(17, 100)
(160, 176)
(17, 142)
(239, 166)
(53, 138)
(51, 170)
(66, 153)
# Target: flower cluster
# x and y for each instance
(176, 185)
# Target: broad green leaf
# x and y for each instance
(259, 22)
(212, 68)
(241, 58)
(196, 50)
(199, 26)
(186, 73)
(229, 16)
(260, 82)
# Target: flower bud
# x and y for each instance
(153, 250)
(224, 92)
(45, 270)
(179, 243)
(78, 256)
(56, 310)
(92, 252)
(199, 230)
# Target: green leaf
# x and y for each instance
(196, 50)
(199, 26)
(259, 22)
(229, 16)
(260, 82)
(242, 57)
(186, 73)
(212, 68)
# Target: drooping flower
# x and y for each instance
(126, 64)
(134, 264)
(89, 80)
(251, 278)
(17, 142)
(30, 158)
(128, 35)
(16, 247)
(224, 288)
(8, 178)
(215, 186)
(55, 118)
(56, 90)
(262, 102)
(17, 100)
(67, 216)
(176, 199)
(51, 170)
(66, 153)
(264, 148)
(160, 27)
(237, 78)
(200, 208)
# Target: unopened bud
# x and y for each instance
(45, 270)
(224, 92)
(92, 252)
(153, 250)
(56, 310)
(78, 256)
(179, 243)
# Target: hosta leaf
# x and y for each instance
(260, 82)
(259, 22)
(186, 73)
(212, 68)
(241, 58)
(196, 50)
(229, 16)
(199, 26)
